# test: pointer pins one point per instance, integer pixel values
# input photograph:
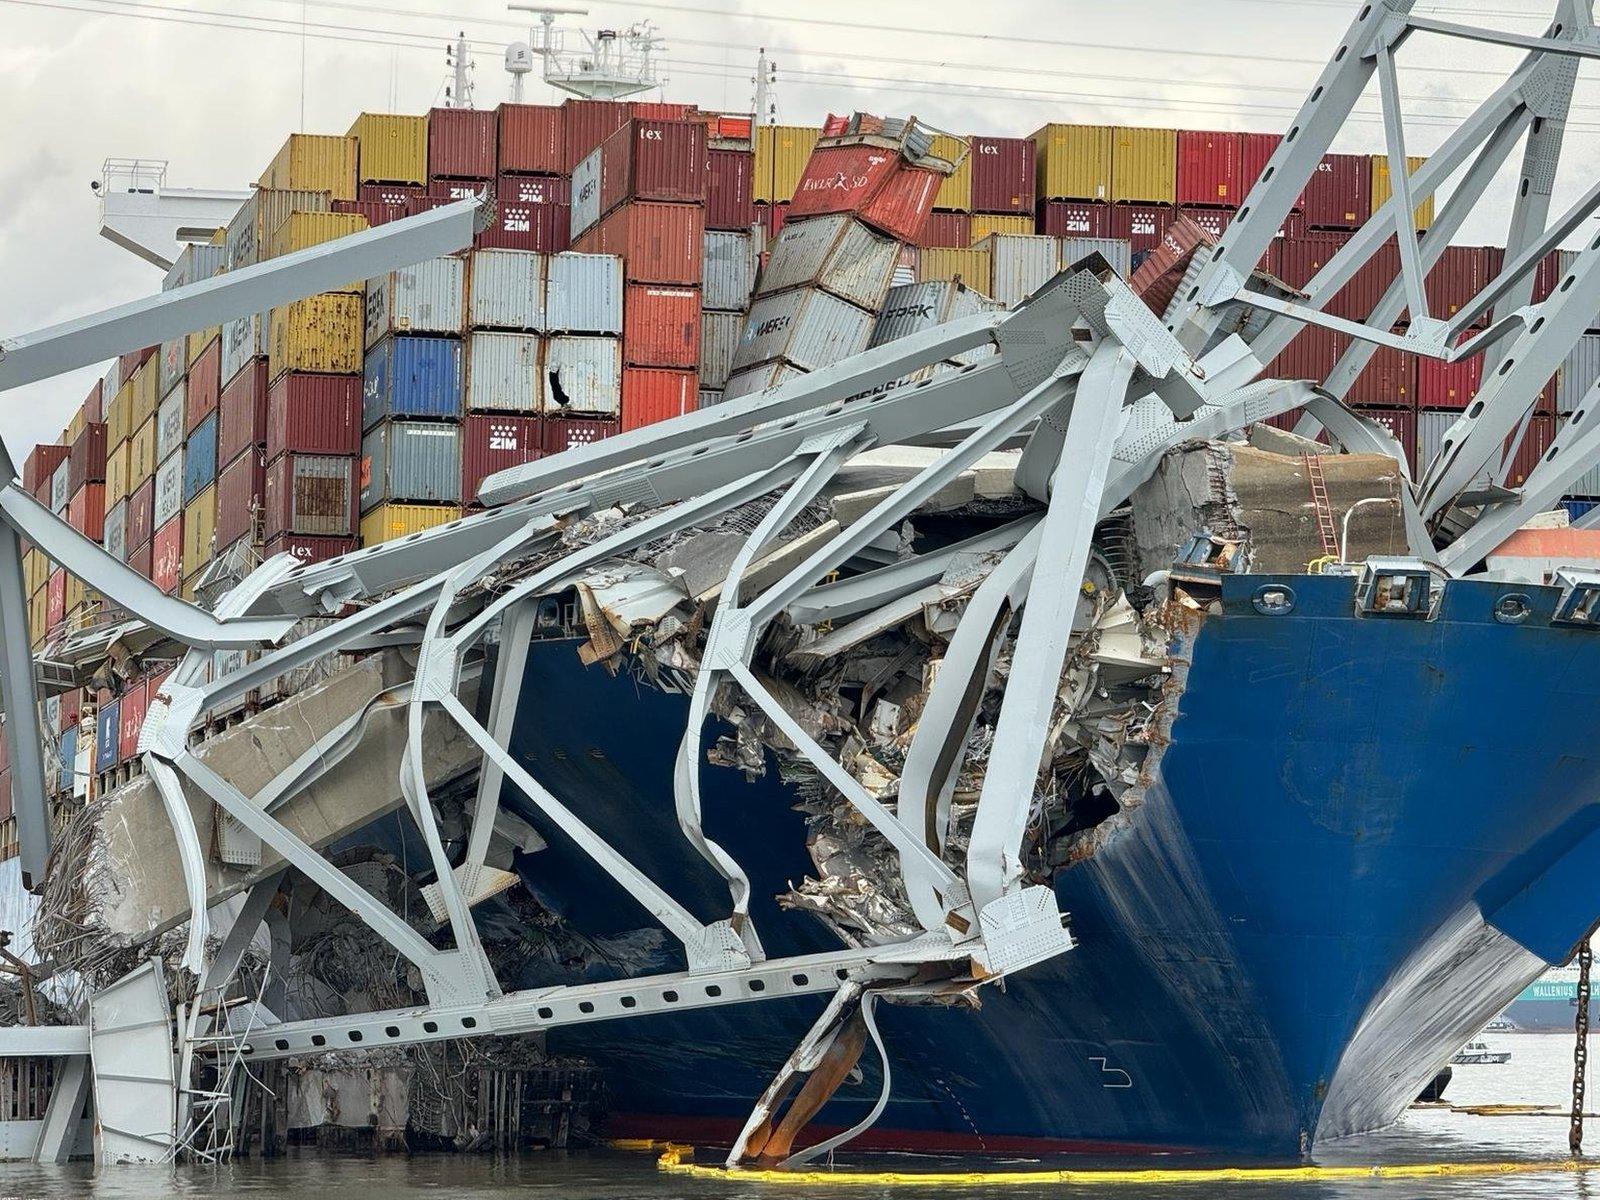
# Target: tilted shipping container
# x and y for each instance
(803, 327)
(838, 254)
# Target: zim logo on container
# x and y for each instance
(516, 220)
(504, 437)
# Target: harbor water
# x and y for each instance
(1539, 1075)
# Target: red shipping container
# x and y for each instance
(1213, 220)
(455, 189)
(376, 212)
(569, 433)
(660, 326)
(651, 395)
(654, 110)
(843, 178)
(311, 550)
(492, 443)
(952, 229)
(1209, 168)
(1446, 385)
(313, 414)
(166, 556)
(56, 599)
(322, 500)
(730, 175)
(1535, 441)
(131, 710)
(903, 204)
(139, 560)
(658, 243)
(86, 511)
(588, 123)
(1143, 225)
(462, 143)
(141, 514)
(771, 217)
(87, 458)
(39, 468)
(390, 195)
(542, 227)
(240, 489)
(1311, 355)
(94, 405)
(133, 359)
(1339, 193)
(533, 139)
(205, 386)
(1545, 276)
(654, 160)
(1456, 278)
(242, 412)
(1402, 422)
(1389, 380)
(1255, 150)
(1003, 175)
(71, 709)
(1299, 259)
(1360, 296)
(534, 189)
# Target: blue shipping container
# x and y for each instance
(200, 459)
(107, 736)
(412, 377)
(69, 759)
(1579, 508)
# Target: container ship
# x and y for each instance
(1300, 858)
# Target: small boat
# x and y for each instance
(1500, 1025)
(1475, 1053)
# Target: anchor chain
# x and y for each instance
(1580, 1046)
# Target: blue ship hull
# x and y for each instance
(1365, 836)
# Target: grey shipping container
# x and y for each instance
(61, 488)
(586, 192)
(710, 397)
(195, 262)
(258, 216)
(837, 254)
(169, 488)
(1587, 484)
(115, 538)
(758, 379)
(174, 362)
(419, 461)
(583, 375)
(503, 373)
(728, 277)
(1021, 263)
(584, 294)
(243, 338)
(916, 307)
(506, 290)
(426, 297)
(169, 421)
(1116, 251)
(805, 327)
(1578, 373)
(719, 339)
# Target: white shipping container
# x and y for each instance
(503, 373)
(756, 379)
(916, 307)
(1022, 263)
(115, 539)
(113, 378)
(584, 294)
(1578, 373)
(243, 338)
(719, 339)
(805, 327)
(586, 193)
(1116, 251)
(506, 290)
(196, 261)
(729, 275)
(1587, 484)
(836, 253)
(583, 375)
(426, 297)
(169, 421)
(61, 488)
(709, 397)
(174, 362)
(1431, 430)
(169, 489)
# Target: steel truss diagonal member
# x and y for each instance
(827, 455)
(994, 866)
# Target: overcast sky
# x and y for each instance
(213, 86)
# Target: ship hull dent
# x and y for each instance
(1274, 941)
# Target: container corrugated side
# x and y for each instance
(1578, 374)
(584, 294)
(115, 535)
(661, 326)
(719, 338)
(533, 139)
(658, 242)
(1339, 192)
(169, 422)
(917, 307)
(320, 333)
(491, 443)
(1208, 167)
(142, 454)
(1144, 165)
(117, 474)
(583, 375)
(314, 162)
(172, 359)
(243, 339)
(199, 532)
(586, 209)
(1116, 251)
(394, 148)
(507, 290)
(252, 226)
(651, 159)
(955, 193)
(463, 143)
(1383, 187)
(1433, 426)
(1004, 175)
(391, 522)
(241, 487)
(302, 230)
(200, 459)
(970, 266)
(503, 373)
(426, 297)
(782, 152)
(412, 377)
(651, 394)
(729, 276)
(169, 488)
(985, 224)
(242, 413)
(805, 327)
(1073, 162)
(836, 253)
(757, 379)
(311, 494)
(1021, 264)
(729, 202)
(313, 414)
(205, 385)
(417, 461)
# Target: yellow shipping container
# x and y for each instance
(983, 226)
(117, 463)
(972, 267)
(1382, 190)
(955, 193)
(303, 230)
(318, 162)
(1074, 162)
(322, 333)
(118, 412)
(38, 617)
(1144, 165)
(81, 599)
(200, 339)
(79, 422)
(390, 522)
(35, 571)
(142, 455)
(782, 152)
(146, 392)
(199, 530)
(394, 148)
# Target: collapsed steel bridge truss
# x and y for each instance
(1096, 386)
